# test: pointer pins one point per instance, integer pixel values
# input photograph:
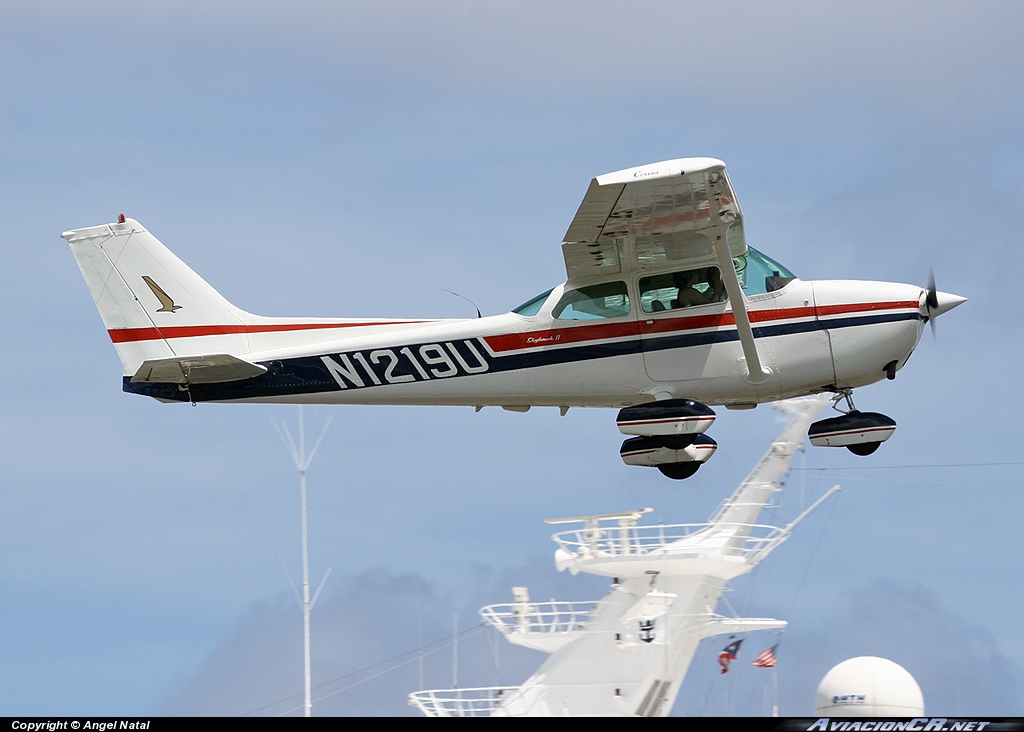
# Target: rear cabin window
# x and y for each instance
(674, 290)
(596, 302)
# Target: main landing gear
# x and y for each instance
(859, 432)
(670, 436)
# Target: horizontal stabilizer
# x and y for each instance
(215, 369)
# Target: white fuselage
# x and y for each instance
(813, 336)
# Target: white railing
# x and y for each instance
(478, 702)
(538, 617)
(745, 542)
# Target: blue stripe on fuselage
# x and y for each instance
(451, 359)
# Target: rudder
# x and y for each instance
(152, 304)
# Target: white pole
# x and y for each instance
(302, 461)
(305, 572)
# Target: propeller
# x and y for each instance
(936, 303)
(931, 302)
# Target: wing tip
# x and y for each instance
(663, 169)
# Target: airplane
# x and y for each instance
(666, 312)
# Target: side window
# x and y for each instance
(675, 290)
(607, 300)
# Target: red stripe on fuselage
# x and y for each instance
(576, 334)
(516, 341)
(561, 336)
(695, 322)
(862, 306)
(130, 335)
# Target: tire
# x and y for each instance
(679, 471)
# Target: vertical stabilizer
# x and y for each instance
(148, 297)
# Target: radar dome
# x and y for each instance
(868, 686)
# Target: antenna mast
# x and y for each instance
(302, 462)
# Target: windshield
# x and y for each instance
(532, 306)
(759, 274)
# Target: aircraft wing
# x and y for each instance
(657, 213)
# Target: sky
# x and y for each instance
(360, 159)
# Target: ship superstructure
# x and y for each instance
(628, 653)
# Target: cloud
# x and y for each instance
(367, 629)
(365, 634)
(958, 663)
(364, 619)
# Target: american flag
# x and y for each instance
(729, 654)
(766, 659)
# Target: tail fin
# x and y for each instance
(151, 302)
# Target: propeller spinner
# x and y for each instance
(936, 303)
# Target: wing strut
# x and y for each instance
(756, 372)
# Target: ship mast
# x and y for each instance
(302, 461)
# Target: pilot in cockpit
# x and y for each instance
(711, 287)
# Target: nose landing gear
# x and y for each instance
(859, 432)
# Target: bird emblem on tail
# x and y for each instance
(166, 302)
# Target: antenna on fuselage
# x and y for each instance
(478, 313)
(302, 461)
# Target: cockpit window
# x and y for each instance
(674, 290)
(759, 274)
(532, 307)
(607, 300)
